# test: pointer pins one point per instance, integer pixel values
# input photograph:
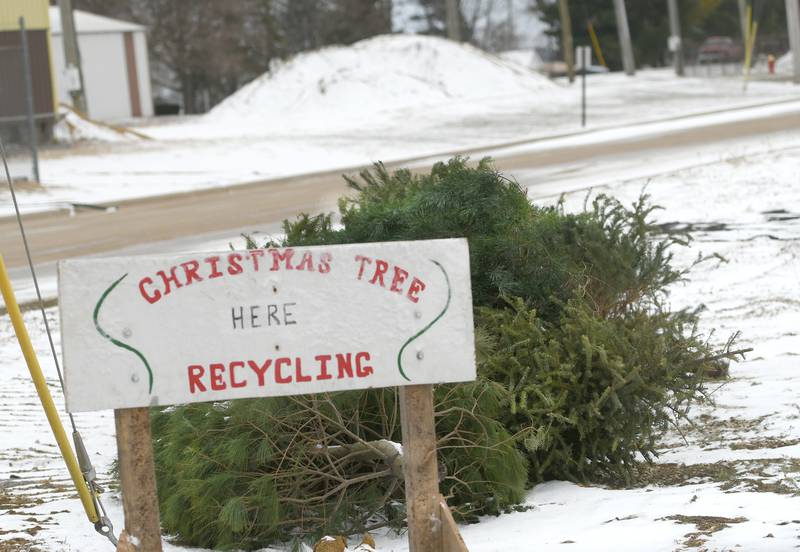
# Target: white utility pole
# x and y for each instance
(72, 54)
(566, 39)
(511, 31)
(676, 40)
(453, 20)
(793, 22)
(624, 38)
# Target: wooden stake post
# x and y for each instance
(431, 527)
(344, 323)
(421, 472)
(138, 479)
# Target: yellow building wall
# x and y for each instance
(34, 11)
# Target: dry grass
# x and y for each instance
(705, 525)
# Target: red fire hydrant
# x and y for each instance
(771, 64)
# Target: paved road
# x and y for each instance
(57, 235)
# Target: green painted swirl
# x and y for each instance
(117, 342)
(430, 324)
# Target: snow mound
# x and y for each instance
(785, 64)
(72, 126)
(526, 58)
(373, 78)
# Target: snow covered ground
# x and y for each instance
(785, 64)
(73, 128)
(387, 98)
(731, 482)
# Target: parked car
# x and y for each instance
(719, 49)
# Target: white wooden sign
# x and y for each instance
(583, 57)
(160, 330)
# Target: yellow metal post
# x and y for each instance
(44, 395)
(749, 45)
(596, 44)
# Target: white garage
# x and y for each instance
(116, 72)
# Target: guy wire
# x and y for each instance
(33, 273)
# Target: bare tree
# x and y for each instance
(485, 23)
(206, 49)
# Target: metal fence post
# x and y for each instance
(33, 136)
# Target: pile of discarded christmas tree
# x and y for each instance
(580, 365)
